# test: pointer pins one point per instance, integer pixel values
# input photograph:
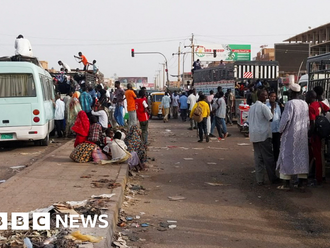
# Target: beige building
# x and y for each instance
(318, 38)
(266, 54)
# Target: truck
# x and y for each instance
(318, 70)
(88, 76)
(227, 75)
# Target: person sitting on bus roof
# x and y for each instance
(64, 65)
(23, 46)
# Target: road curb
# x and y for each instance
(120, 175)
(115, 206)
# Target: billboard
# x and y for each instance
(225, 52)
(136, 82)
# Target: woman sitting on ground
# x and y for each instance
(95, 131)
(117, 148)
(81, 128)
(134, 143)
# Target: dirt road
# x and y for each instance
(222, 205)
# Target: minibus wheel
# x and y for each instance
(45, 141)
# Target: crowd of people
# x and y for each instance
(216, 110)
(287, 140)
(95, 116)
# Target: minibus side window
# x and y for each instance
(50, 88)
(44, 88)
(17, 85)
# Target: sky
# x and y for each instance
(107, 30)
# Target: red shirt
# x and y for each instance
(141, 112)
(315, 109)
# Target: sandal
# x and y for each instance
(283, 187)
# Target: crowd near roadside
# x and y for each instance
(289, 140)
(97, 116)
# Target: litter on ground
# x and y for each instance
(217, 184)
(176, 198)
(18, 167)
(217, 148)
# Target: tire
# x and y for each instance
(160, 117)
(45, 141)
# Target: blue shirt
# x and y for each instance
(275, 124)
(92, 93)
(183, 102)
(86, 102)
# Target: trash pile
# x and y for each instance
(131, 226)
(46, 239)
(57, 236)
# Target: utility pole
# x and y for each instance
(192, 49)
(160, 84)
(192, 46)
(163, 82)
(179, 53)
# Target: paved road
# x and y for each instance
(233, 213)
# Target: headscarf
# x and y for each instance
(73, 109)
(135, 144)
(81, 126)
(76, 94)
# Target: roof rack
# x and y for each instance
(20, 58)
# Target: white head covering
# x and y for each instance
(295, 87)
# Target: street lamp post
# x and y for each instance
(163, 64)
(167, 81)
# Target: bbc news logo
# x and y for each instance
(41, 221)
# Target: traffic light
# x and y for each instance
(132, 52)
(214, 53)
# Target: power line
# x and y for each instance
(128, 41)
(238, 35)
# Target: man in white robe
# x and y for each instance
(294, 158)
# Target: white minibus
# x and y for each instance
(26, 107)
